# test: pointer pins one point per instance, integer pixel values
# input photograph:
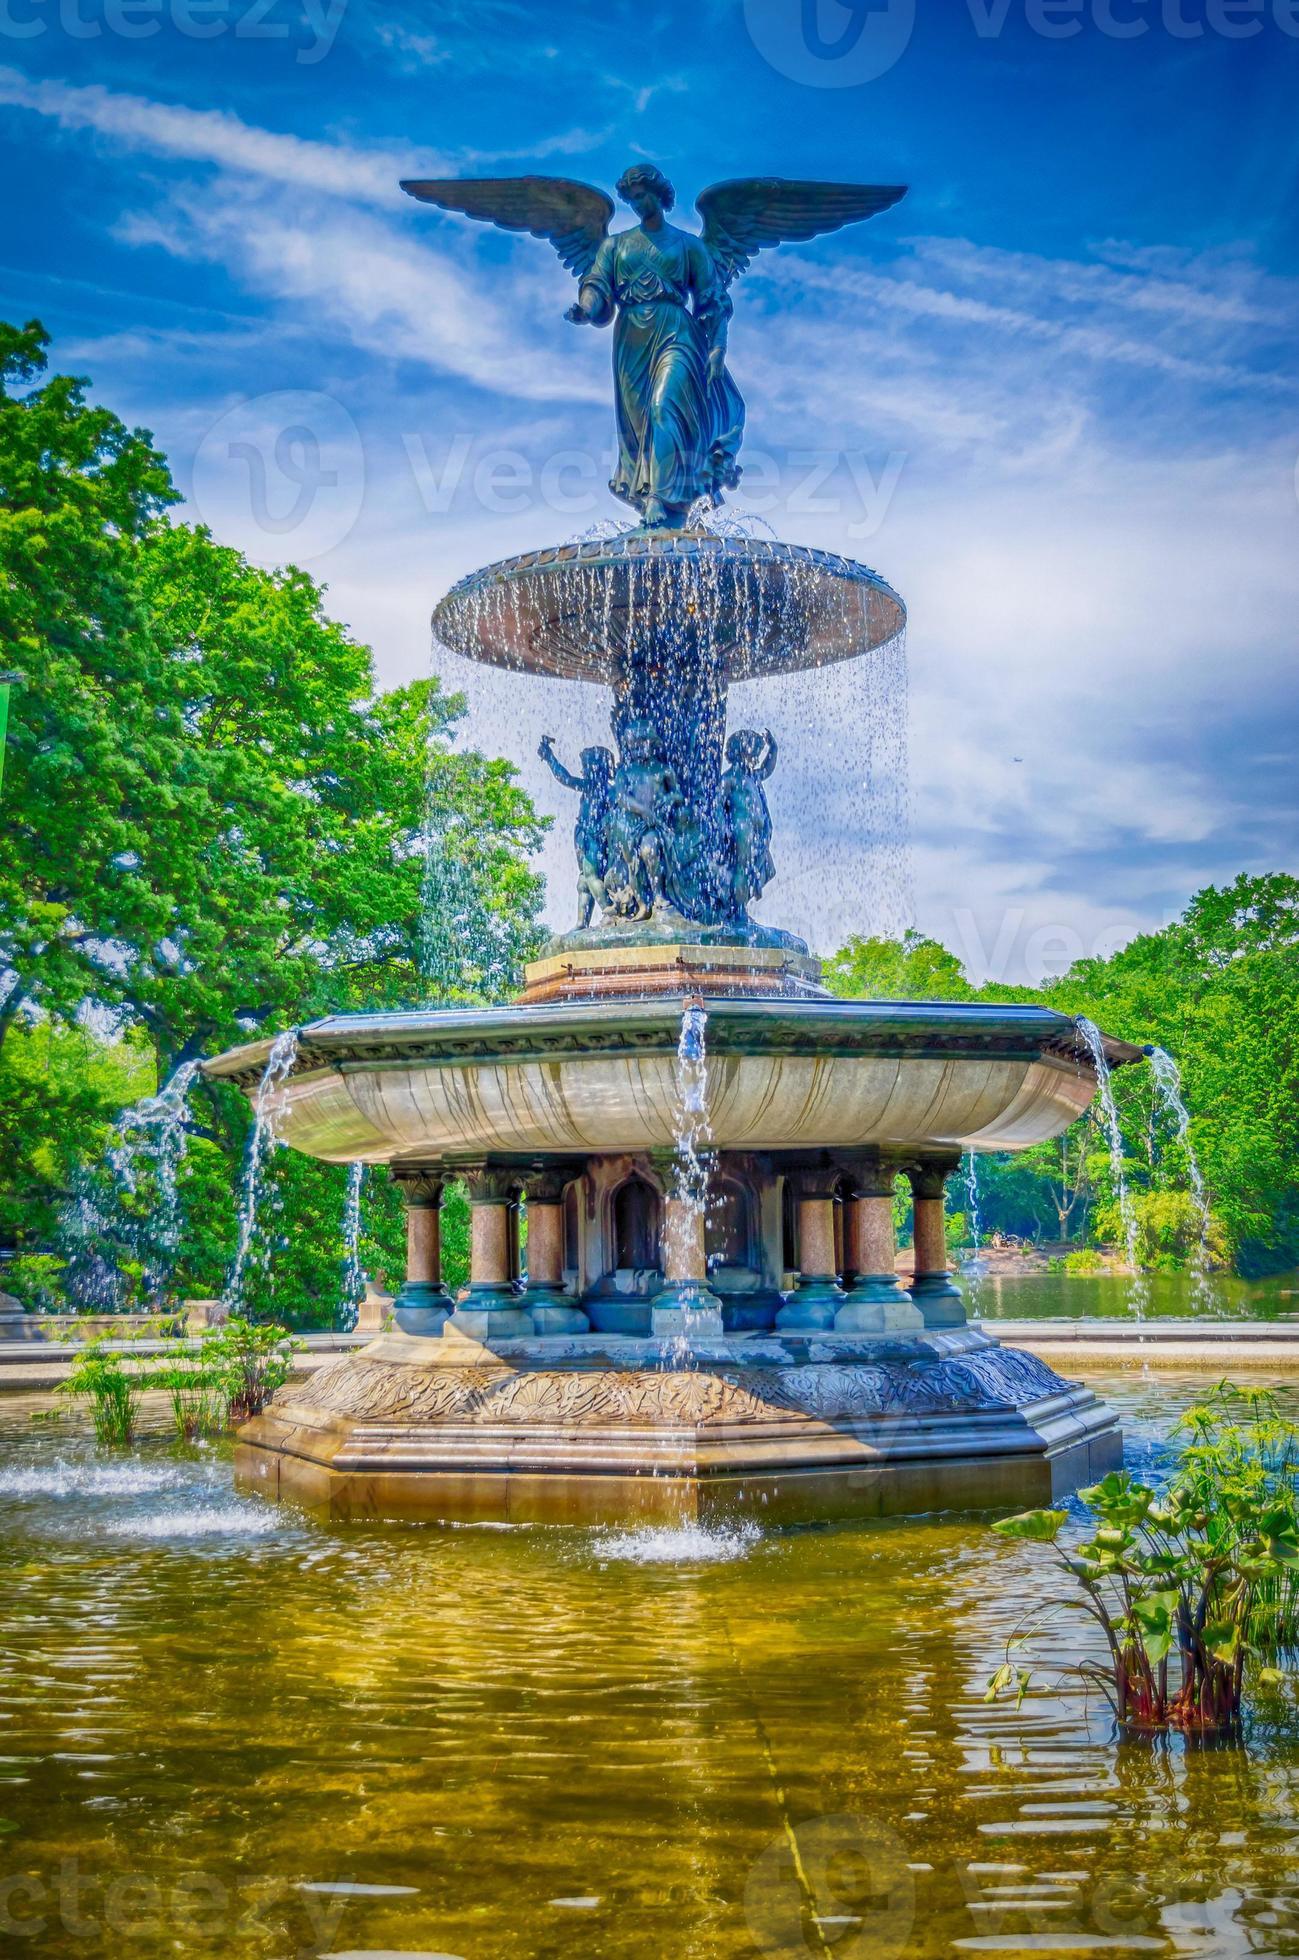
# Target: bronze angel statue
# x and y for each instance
(680, 415)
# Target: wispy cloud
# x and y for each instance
(215, 136)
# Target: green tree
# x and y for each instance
(911, 968)
(1219, 989)
(215, 823)
(77, 492)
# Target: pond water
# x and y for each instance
(227, 1729)
(1108, 1296)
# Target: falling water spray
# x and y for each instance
(261, 1145)
(353, 1277)
(1091, 1034)
(1169, 1097)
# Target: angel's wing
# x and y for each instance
(748, 214)
(574, 217)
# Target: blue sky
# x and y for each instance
(1052, 396)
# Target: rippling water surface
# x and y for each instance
(227, 1729)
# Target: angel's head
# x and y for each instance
(646, 189)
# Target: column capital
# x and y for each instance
(816, 1180)
(423, 1190)
(928, 1176)
(870, 1175)
(491, 1184)
(544, 1184)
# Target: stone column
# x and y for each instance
(490, 1306)
(876, 1302)
(423, 1304)
(686, 1304)
(552, 1310)
(816, 1300)
(932, 1287)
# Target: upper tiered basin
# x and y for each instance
(601, 1077)
(584, 611)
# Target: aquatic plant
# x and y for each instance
(1176, 1582)
(100, 1377)
(253, 1361)
(1244, 1445)
(196, 1387)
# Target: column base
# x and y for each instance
(813, 1306)
(938, 1299)
(487, 1312)
(422, 1307)
(750, 1313)
(553, 1311)
(878, 1305)
(686, 1307)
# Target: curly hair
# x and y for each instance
(652, 178)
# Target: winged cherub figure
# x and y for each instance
(680, 416)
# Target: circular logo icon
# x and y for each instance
(842, 1883)
(831, 43)
(285, 472)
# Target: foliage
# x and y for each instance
(88, 756)
(1219, 989)
(102, 1378)
(1241, 1441)
(1180, 1583)
(195, 1387)
(61, 1089)
(248, 1363)
(912, 968)
(213, 824)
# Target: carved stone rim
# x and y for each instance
(460, 1037)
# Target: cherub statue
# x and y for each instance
(750, 759)
(590, 837)
(647, 811)
(680, 416)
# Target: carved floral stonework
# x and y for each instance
(707, 1396)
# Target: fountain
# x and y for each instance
(705, 1144)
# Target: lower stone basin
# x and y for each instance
(585, 1078)
(785, 1428)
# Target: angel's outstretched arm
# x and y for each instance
(769, 759)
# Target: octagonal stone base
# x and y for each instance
(597, 1430)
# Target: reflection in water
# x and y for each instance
(1177, 1296)
(225, 1729)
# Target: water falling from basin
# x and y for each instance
(1091, 1034)
(687, 1214)
(972, 1266)
(261, 1145)
(136, 1218)
(1169, 1097)
(353, 1277)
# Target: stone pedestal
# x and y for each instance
(490, 1307)
(876, 1302)
(552, 1310)
(933, 1290)
(818, 1297)
(423, 1304)
(373, 1310)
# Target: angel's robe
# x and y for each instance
(678, 433)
